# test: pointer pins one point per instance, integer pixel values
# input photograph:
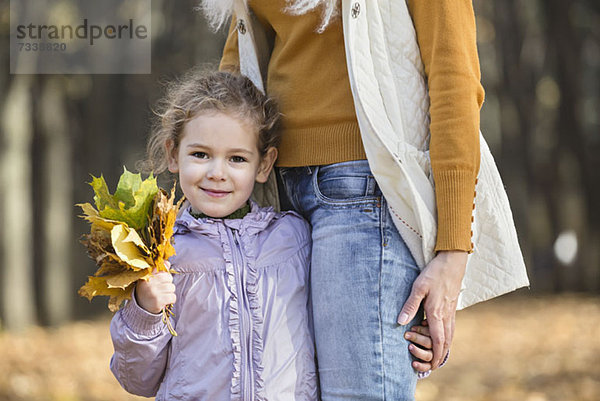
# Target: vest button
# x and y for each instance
(355, 10)
(241, 27)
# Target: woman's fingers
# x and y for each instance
(412, 304)
(436, 328)
(448, 335)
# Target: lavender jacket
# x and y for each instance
(242, 315)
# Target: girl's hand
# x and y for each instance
(157, 292)
(420, 336)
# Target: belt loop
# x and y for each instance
(371, 183)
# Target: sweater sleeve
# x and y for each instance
(141, 341)
(230, 60)
(447, 40)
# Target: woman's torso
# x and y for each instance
(307, 74)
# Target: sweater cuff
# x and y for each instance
(455, 195)
(139, 320)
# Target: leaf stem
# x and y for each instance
(166, 318)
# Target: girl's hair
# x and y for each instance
(206, 91)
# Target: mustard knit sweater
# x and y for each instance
(308, 76)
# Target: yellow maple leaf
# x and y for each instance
(93, 216)
(126, 278)
(129, 247)
(97, 286)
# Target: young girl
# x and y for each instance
(240, 294)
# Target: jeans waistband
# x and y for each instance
(357, 166)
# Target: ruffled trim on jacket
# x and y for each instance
(257, 320)
(234, 318)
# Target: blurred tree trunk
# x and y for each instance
(517, 103)
(567, 43)
(16, 267)
(57, 204)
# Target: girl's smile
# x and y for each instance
(216, 193)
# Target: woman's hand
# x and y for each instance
(156, 292)
(437, 287)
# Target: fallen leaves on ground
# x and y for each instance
(511, 349)
(522, 349)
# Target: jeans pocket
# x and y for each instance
(346, 188)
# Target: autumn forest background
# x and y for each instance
(540, 62)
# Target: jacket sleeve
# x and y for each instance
(447, 41)
(141, 343)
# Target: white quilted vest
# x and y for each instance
(391, 99)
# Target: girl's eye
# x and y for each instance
(238, 159)
(200, 155)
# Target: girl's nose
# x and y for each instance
(216, 171)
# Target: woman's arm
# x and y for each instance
(447, 40)
(446, 35)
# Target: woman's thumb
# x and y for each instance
(410, 308)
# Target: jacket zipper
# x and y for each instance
(245, 334)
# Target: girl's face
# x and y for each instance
(218, 162)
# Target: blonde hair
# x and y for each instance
(329, 10)
(203, 91)
(217, 12)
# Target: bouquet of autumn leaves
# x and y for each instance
(130, 237)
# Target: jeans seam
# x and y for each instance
(381, 261)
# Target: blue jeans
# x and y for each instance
(361, 274)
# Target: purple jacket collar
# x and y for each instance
(254, 222)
